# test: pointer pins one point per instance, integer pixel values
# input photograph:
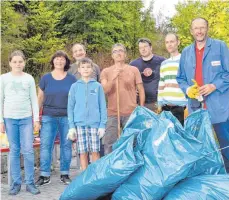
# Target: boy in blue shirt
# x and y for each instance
(87, 114)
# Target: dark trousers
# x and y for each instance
(222, 132)
(152, 106)
(111, 134)
(101, 148)
(177, 111)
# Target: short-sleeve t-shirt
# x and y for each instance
(56, 94)
(151, 80)
(128, 79)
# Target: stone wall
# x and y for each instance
(4, 160)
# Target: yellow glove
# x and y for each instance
(193, 91)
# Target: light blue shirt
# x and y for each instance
(18, 97)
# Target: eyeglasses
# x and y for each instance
(118, 51)
(199, 28)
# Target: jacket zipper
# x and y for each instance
(86, 96)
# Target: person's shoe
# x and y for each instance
(65, 179)
(43, 180)
(14, 189)
(32, 189)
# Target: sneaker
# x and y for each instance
(65, 179)
(32, 189)
(14, 189)
(43, 180)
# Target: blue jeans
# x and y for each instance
(20, 136)
(222, 132)
(49, 128)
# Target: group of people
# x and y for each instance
(73, 104)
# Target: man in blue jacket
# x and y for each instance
(207, 61)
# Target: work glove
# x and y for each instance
(193, 91)
(101, 132)
(72, 134)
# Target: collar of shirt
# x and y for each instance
(177, 57)
(199, 50)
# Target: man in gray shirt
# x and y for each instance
(79, 52)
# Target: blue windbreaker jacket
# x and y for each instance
(87, 105)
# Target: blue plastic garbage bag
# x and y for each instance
(141, 120)
(180, 130)
(106, 174)
(206, 187)
(198, 132)
(168, 159)
(199, 125)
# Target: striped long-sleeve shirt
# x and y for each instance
(169, 91)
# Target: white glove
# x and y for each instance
(101, 132)
(71, 134)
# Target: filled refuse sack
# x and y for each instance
(168, 158)
(199, 125)
(199, 133)
(206, 187)
(106, 174)
(141, 120)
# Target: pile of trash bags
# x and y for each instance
(157, 158)
(206, 187)
(105, 175)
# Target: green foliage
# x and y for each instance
(39, 28)
(41, 41)
(218, 17)
(13, 29)
(148, 30)
(101, 24)
(32, 32)
(216, 12)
